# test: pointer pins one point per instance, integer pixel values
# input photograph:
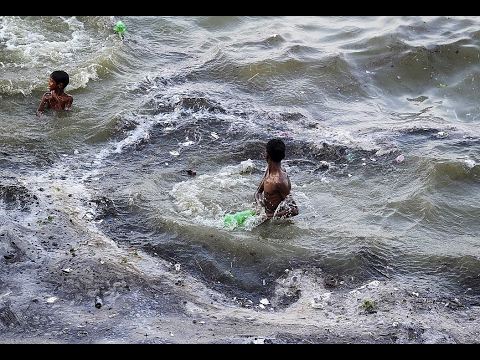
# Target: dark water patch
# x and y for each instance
(376, 262)
(284, 117)
(10, 247)
(235, 268)
(196, 104)
(225, 264)
(451, 173)
(219, 269)
(329, 156)
(299, 152)
(17, 197)
(431, 133)
(123, 126)
(105, 208)
(448, 135)
(160, 83)
(464, 141)
(185, 105)
(460, 270)
(31, 154)
(8, 317)
(118, 126)
(266, 43)
(304, 54)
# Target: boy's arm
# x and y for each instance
(42, 104)
(260, 189)
(258, 194)
(69, 102)
(292, 208)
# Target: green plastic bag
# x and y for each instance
(237, 219)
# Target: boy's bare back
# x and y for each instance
(275, 185)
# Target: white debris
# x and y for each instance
(399, 159)
(319, 300)
(51, 299)
(264, 301)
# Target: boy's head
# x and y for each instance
(60, 76)
(276, 150)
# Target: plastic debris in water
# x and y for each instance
(98, 302)
(265, 301)
(238, 218)
(442, 134)
(120, 27)
(470, 163)
(399, 159)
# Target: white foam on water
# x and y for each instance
(35, 46)
(199, 198)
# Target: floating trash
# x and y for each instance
(120, 27)
(237, 219)
(442, 134)
(98, 302)
(52, 299)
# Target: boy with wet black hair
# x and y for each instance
(275, 184)
(56, 98)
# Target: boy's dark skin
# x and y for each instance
(56, 98)
(275, 184)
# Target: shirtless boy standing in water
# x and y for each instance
(275, 184)
(56, 98)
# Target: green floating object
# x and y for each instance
(120, 27)
(238, 218)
